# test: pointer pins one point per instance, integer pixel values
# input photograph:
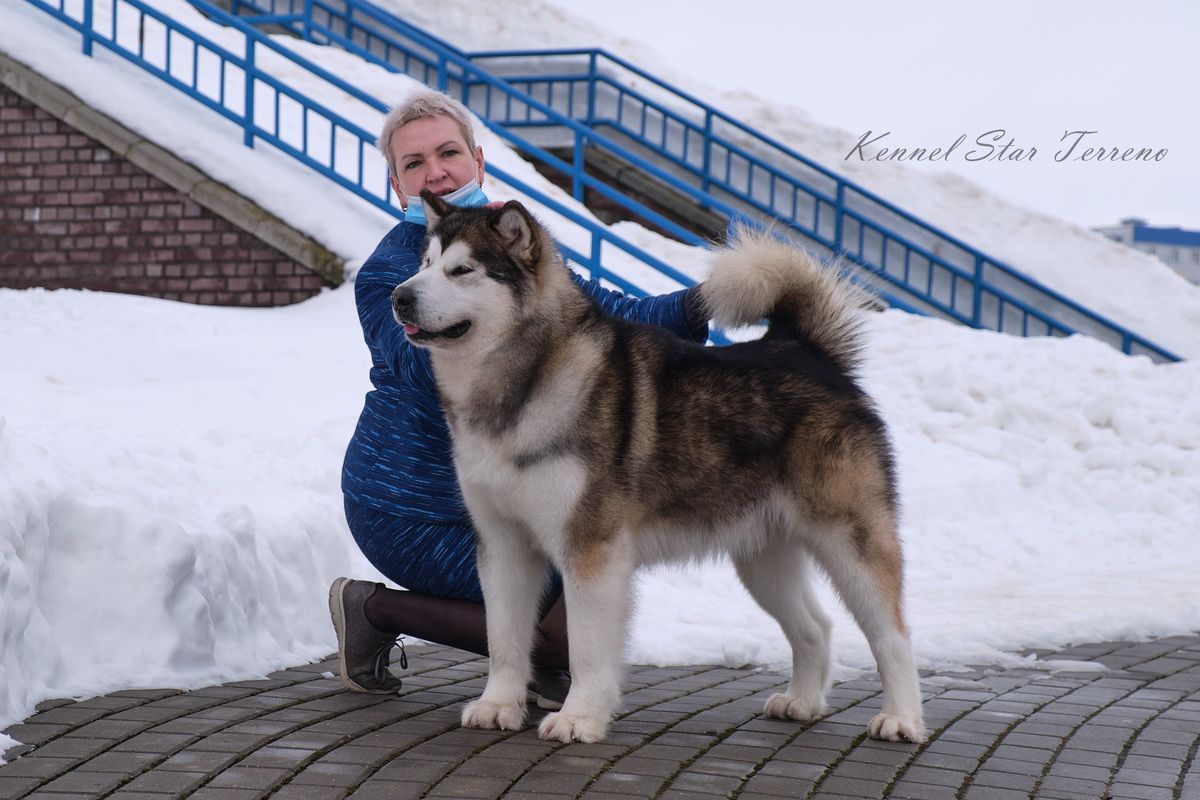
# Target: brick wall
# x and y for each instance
(74, 214)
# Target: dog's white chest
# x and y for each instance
(503, 487)
(525, 475)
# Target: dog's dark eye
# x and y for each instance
(461, 269)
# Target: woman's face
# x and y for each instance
(431, 153)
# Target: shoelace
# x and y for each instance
(379, 661)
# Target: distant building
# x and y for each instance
(1177, 248)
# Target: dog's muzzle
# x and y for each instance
(404, 303)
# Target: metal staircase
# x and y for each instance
(601, 112)
(605, 113)
(240, 83)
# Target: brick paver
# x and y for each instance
(1129, 732)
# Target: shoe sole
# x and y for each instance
(337, 611)
(545, 704)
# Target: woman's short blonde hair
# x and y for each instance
(420, 105)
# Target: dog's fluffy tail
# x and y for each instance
(761, 276)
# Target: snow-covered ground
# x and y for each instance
(169, 503)
(170, 512)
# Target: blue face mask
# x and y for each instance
(468, 195)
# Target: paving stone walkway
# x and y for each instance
(1130, 731)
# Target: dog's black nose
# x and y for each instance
(403, 298)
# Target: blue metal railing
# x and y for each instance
(697, 150)
(238, 85)
(726, 157)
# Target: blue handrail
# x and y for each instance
(708, 174)
(434, 72)
(312, 132)
(969, 291)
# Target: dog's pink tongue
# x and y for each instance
(410, 329)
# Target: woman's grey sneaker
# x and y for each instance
(548, 689)
(363, 649)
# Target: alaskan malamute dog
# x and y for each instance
(600, 445)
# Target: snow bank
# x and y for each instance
(170, 512)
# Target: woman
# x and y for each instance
(402, 500)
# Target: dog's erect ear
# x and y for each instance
(518, 231)
(435, 208)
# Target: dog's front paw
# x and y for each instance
(569, 728)
(492, 715)
(788, 706)
(897, 728)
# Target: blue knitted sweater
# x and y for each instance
(399, 459)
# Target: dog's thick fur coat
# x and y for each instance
(600, 445)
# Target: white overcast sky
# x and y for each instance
(930, 71)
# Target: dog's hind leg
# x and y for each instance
(863, 560)
(778, 578)
(597, 583)
(512, 574)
